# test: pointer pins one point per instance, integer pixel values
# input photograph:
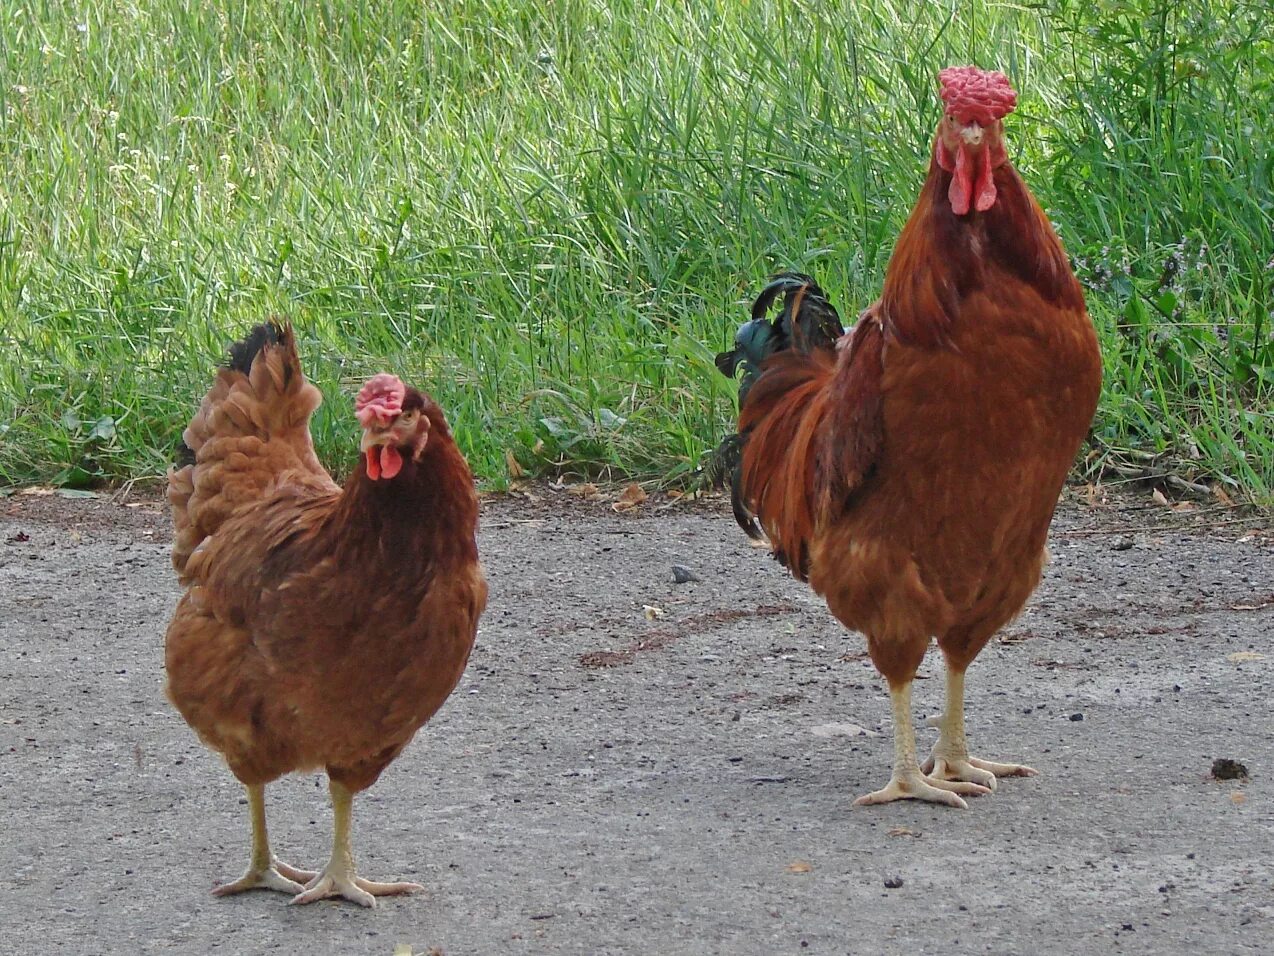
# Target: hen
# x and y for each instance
(910, 473)
(320, 626)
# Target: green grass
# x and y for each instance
(553, 218)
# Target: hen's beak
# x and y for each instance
(971, 134)
(379, 447)
(373, 437)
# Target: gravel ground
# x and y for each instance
(636, 766)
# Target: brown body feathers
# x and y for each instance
(320, 626)
(911, 474)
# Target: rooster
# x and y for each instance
(319, 626)
(909, 474)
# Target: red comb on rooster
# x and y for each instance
(976, 96)
(969, 143)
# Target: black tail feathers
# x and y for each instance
(246, 349)
(240, 359)
(807, 321)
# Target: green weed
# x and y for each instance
(551, 218)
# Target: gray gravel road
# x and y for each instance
(603, 782)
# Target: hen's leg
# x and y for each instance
(264, 871)
(950, 758)
(338, 877)
(908, 783)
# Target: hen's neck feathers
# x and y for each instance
(429, 511)
(941, 258)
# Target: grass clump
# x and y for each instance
(552, 218)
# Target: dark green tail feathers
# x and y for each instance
(807, 321)
(816, 325)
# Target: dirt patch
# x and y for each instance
(660, 639)
(693, 797)
(142, 510)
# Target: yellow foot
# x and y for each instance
(1004, 769)
(972, 769)
(916, 786)
(957, 769)
(277, 876)
(353, 888)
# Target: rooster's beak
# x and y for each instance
(971, 134)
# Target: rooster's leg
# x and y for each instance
(264, 872)
(908, 783)
(950, 758)
(338, 877)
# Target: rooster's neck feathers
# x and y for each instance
(942, 258)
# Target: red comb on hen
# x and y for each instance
(380, 401)
(976, 96)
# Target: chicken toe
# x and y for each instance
(1003, 769)
(916, 786)
(339, 877)
(351, 887)
(277, 875)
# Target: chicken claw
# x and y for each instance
(339, 877)
(350, 887)
(265, 871)
(276, 876)
(920, 787)
(950, 758)
(907, 782)
(974, 770)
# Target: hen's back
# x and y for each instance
(251, 433)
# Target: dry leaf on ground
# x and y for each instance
(631, 497)
(514, 466)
